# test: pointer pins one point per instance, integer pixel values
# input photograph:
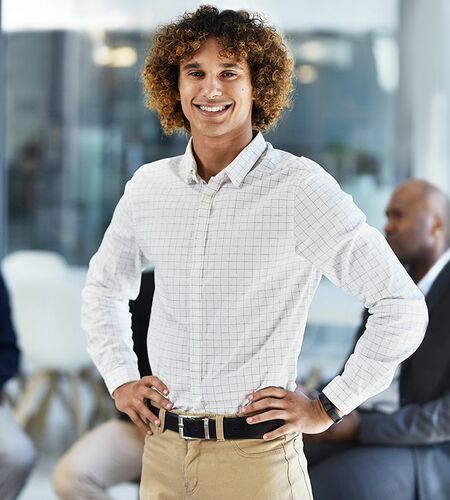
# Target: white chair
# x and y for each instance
(45, 303)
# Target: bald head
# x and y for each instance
(418, 222)
(439, 204)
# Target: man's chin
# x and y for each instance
(210, 131)
(402, 258)
(394, 248)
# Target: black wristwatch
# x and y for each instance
(330, 408)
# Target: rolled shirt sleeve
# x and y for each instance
(356, 258)
(113, 279)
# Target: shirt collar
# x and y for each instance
(426, 282)
(236, 171)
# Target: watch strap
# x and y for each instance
(330, 408)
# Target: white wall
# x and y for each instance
(424, 90)
(345, 15)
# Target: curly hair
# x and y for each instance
(243, 36)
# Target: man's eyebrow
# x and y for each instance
(191, 65)
(232, 65)
(196, 65)
(394, 210)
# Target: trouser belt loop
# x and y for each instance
(219, 428)
(162, 419)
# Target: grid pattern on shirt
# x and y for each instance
(237, 261)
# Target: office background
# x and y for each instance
(371, 106)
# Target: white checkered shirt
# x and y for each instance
(237, 261)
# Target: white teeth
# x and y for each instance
(212, 109)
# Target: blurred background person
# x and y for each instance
(17, 454)
(111, 453)
(397, 444)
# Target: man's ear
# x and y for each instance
(177, 95)
(438, 224)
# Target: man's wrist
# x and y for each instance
(322, 414)
(116, 390)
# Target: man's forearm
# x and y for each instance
(411, 425)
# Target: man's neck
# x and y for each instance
(417, 270)
(213, 154)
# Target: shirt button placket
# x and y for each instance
(198, 319)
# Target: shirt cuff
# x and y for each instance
(120, 376)
(339, 394)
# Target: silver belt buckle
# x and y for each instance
(181, 428)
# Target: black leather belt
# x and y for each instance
(190, 427)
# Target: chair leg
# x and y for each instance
(74, 402)
(26, 404)
(41, 414)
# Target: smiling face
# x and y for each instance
(216, 93)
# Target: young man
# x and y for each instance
(397, 444)
(240, 234)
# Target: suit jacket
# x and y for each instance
(9, 353)
(423, 420)
(140, 318)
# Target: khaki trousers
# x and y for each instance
(245, 469)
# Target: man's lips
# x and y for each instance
(217, 109)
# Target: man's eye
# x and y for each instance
(228, 74)
(195, 73)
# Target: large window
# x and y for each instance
(77, 127)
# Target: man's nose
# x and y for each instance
(212, 88)
(389, 227)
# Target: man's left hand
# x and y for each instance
(300, 414)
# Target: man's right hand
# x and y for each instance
(129, 399)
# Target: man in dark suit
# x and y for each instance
(17, 454)
(397, 444)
